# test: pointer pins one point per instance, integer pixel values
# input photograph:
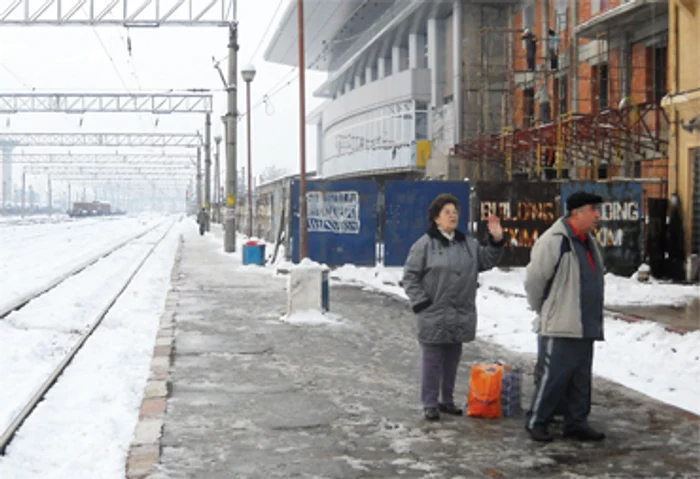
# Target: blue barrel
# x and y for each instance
(254, 254)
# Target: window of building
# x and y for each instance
(528, 107)
(529, 16)
(598, 6)
(601, 85)
(421, 120)
(387, 127)
(637, 169)
(660, 65)
(563, 84)
(561, 14)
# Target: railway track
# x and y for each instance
(9, 433)
(19, 302)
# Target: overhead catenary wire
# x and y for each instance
(267, 30)
(16, 77)
(285, 80)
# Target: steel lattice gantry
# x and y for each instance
(156, 103)
(59, 159)
(126, 13)
(109, 170)
(154, 140)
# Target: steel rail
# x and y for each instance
(26, 298)
(38, 396)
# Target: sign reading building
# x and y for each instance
(621, 219)
(526, 209)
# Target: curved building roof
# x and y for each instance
(330, 28)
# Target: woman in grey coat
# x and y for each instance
(440, 279)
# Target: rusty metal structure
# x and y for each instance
(602, 125)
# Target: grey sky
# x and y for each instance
(74, 59)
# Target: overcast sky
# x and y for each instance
(86, 59)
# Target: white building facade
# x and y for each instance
(394, 82)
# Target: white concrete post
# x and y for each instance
(381, 68)
(416, 51)
(395, 60)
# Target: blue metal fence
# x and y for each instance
(406, 213)
(342, 222)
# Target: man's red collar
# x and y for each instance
(581, 236)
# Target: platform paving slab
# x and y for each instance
(252, 396)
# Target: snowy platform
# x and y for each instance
(255, 394)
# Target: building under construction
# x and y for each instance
(568, 90)
(496, 90)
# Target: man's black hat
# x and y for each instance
(581, 198)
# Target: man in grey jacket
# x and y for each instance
(565, 286)
(440, 279)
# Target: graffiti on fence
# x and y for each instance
(333, 212)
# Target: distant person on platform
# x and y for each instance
(440, 279)
(565, 285)
(203, 220)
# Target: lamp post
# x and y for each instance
(248, 74)
(303, 226)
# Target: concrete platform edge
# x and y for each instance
(145, 449)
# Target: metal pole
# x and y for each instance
(199, 179)
(207, 167)
(231, 118)
(303, 231)
(250, 165)
(217, 179)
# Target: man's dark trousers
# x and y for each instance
(566, 376)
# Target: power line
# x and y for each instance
(15, 76)
(114, 65)
(267, 29)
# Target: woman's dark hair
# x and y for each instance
(439, 203)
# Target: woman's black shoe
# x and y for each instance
(431, 414)
(450, 409)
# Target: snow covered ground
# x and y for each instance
(642, 356)
(85, 425)
(107, 384)
(34, 253)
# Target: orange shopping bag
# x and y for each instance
(484, 398)
(494, 391)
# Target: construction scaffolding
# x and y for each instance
(561, 117)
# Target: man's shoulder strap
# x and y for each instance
(565, 248)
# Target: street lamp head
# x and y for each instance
(217, 139)
(248, 73)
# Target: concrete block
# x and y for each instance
(156, 389)
(148, 432)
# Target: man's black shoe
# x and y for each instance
(539, 434)
(450, 409)
(431, 414)
(584, 434)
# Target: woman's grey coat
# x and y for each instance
(440, 279)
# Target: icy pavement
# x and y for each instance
(255, 396)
